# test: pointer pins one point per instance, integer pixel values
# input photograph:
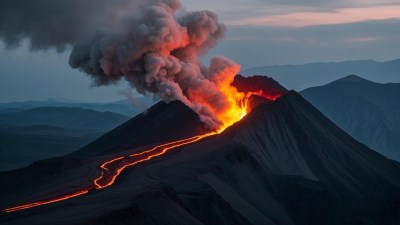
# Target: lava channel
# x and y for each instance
(111, 169)
(48, 201)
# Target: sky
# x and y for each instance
(259, 33)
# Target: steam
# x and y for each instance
(153, 45)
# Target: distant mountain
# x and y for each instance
(20, 146)
(299, 77)
(124, 107)
(71, 118)
(29, 104)
(368, 111)
(28, 135)
(284, 163)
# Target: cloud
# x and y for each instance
(322, 4)
(363, 39)
(299, 13)
(304, 19)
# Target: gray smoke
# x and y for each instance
(146, 43)
(58, 23)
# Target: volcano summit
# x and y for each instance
(283, 163)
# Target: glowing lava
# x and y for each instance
(48, 201)
(111, 169)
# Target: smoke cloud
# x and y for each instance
(59, 24)
(153, 45)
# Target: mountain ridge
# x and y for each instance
(123, 107)
(67, 117)
(284, 163)
(300, 77)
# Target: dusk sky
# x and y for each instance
(260, 32)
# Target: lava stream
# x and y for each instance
(111, 169)
(45, 202)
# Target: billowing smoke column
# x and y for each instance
(152, 44)
(158, 53)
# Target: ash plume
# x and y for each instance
(158, 53)
(154, 45)
(58, 24)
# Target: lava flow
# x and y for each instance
(111, 169)
(48, 201)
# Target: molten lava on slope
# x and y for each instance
(239, 107)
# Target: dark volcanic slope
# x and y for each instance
(162, 122)
(368, 111)
(351, 183)
(285, 163)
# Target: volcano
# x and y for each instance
(283, 163)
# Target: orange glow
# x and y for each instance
(228, 105)
(111, 169)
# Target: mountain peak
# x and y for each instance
(353, 78)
